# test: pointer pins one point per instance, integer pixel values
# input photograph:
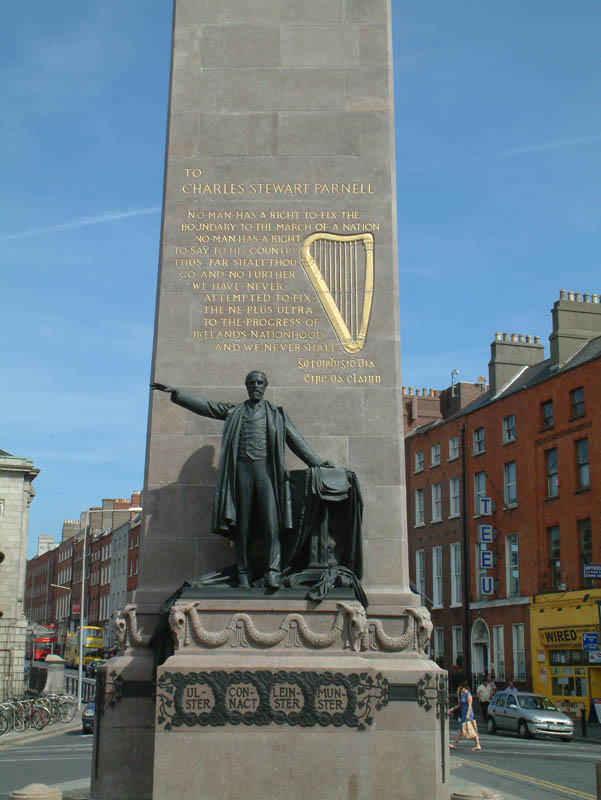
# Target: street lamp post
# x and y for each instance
(81, 611)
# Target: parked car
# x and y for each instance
(528, 715)
(92, 667)
(88, 717)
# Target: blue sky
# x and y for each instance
(498, 140)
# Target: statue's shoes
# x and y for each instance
(243, 582)
(272, 581)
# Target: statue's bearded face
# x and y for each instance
(256, 383)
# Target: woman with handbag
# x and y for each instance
(468, 727)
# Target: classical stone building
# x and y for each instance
(528, 448)
(16, 493)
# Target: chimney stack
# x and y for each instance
(508, 354)
(575, 321)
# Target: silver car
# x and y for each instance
(528, 715)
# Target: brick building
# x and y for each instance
(503, 508)
(38, 586)
(133, 556)
(95, 527)
(419, 408)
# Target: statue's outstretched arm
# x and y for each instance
(199, 405)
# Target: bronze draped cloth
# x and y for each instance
(344, 523)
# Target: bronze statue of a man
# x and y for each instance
(252, 481)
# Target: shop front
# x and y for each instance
(566, 651)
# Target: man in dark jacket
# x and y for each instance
(252, 482)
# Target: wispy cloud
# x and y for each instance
(510, 153)
(108, 216)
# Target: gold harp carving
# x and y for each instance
(342, 273)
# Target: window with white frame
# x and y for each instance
(498, 638)
(420, 574)
(519, 651)
(456, 574)
(435, 455)
(586, 548)
(478, 439)
(419, 507)
(438, 645)
(419, 460)
(437, 588)
(454, 501)
(457, 635)
(582, 466)
(436, 490)
(453, 448)
(509, 428)
(509, 483)
(512, 571)
(546, 414)
(552, 475)
(554, 556)
(577, 402)
(479, 490)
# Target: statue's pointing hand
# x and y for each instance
(161, 387)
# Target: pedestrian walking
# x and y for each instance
(484, 693)
(468, 727)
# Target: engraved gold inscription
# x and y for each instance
(242, 267)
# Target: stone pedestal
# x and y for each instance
(283, 697)
(275, 695)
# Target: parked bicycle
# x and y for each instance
(18, 714)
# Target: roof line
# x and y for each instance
(510, 381)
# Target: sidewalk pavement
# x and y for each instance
(13, 738)
(80, 789)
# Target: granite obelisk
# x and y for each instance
(278, 253)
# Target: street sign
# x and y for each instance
(485, 534)
(594, 657)
(591, 571)
(590, 641)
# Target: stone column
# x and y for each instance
(280, 127)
